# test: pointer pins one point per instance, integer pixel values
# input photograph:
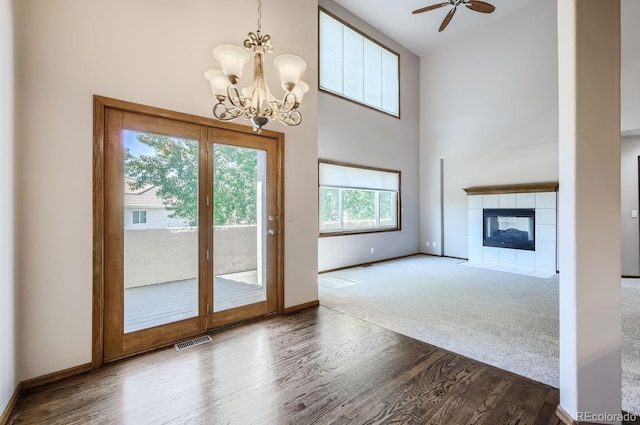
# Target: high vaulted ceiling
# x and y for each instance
(419, 32)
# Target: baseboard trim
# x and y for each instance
(370, 262)
(6, 414)
(564, 417)
(297, 308)
(56, 376)
(449, 256)
(627, 276)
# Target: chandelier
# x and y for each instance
(256, 103)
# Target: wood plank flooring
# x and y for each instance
(314, 367)
(154, 305)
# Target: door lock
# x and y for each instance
(272, 232)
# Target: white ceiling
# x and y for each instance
(419, 32)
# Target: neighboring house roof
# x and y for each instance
(145, 197)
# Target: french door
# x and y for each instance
(246, 229)
(191, 234)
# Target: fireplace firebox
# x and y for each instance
(509, 228)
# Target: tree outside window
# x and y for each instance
(171, 164)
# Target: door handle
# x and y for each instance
(272, 232)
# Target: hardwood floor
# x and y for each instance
(314, 367)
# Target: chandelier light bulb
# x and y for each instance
(233, 59)
(299, 90)
(291, 68)
(219, 82)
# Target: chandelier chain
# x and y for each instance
(259, 16)
(256, 103)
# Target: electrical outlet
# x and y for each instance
(434, 244)
(372, 250)
(634, 213)
(427, 243)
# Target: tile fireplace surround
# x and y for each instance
(541, 262)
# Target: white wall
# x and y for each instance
(496, 89)
(8, 340)
(489, 90)
(630, 151)
(630, 65)
(630, 146)
(355, 134)
(589, 207)
(152, 52)
(527, 164)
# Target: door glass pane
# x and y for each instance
(239, 209)
(160, 230)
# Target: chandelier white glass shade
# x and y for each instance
(256, 103)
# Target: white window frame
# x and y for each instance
(343, 177)
(340, 89)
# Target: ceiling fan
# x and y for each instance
(476, 5)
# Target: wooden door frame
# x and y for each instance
(100, 104)
(240, 313)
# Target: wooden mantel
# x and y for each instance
(513, 188)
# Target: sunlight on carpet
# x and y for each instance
(336, 281)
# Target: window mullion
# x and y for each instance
(363, 70)
(341, 208)
(343, 61)
(396, 211)
(377, 208)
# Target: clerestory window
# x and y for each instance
(356, 67)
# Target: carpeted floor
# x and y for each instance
(503, 319)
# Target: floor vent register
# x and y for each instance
(192, 342)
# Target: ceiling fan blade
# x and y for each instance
(428, 8)
(447, 19)
(480, 6)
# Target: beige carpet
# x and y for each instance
(503, 319)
